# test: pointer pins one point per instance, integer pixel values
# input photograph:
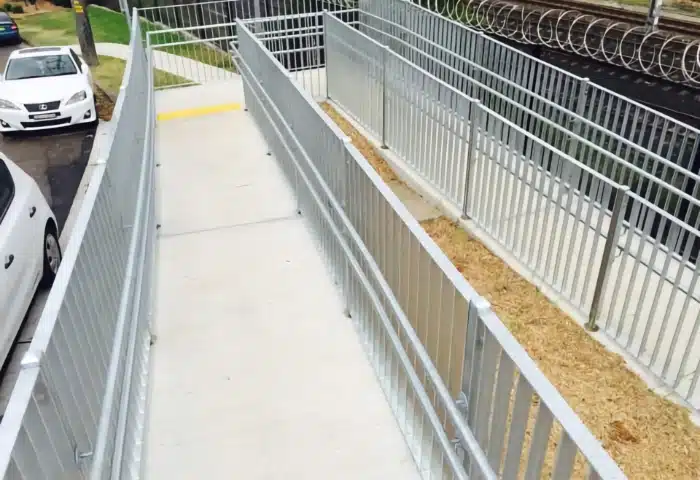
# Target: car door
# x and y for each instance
(16, 248)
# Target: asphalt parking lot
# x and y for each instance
(56, 159)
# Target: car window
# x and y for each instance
(40, 66)
(7, 189)
(76, 59)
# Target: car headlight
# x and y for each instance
(7, 105)
(78, 97)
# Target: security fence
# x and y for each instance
(635, 133)
(600, 34)
(633, 130)
(547, 210)
(421, 323)
(78, 407)
(661, 181)
(650, 129)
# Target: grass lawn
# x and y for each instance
(108, 74)
(57, 27)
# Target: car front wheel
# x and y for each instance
(52, 256)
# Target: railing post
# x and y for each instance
(474, 123)
(344, 203)
(652, 21)
(581, 101)
(616, 219)
(325, 50)
(480, 48)
(346, 173)
(386, 51)
(471, 365)
(258, 16)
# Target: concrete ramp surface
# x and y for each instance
(257, 373)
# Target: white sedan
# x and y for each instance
(29, 250)
(45, 87)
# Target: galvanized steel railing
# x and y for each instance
(219, 16)
(80, 402)
(655, 237)
(641, 125)
(422, 324)
(658, 180)
(77, 409)
(651, 307)
(544, 209)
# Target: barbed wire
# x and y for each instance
(658, 53)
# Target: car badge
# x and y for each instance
(43, 106)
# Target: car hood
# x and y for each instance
(41, 90)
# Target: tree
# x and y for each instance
(84, 31)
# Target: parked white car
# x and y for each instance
(29, 250)
(45, 87)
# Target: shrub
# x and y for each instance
(16, 8)
(7, 7)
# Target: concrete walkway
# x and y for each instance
(256, 371)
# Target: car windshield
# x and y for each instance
(40, 66)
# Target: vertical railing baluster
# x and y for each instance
(386, 55)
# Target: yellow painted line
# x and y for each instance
(198, 112)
